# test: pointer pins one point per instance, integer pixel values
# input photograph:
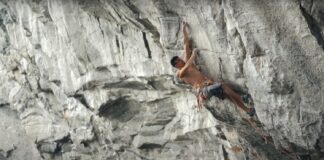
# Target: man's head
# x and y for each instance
(177, 62)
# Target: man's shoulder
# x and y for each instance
(193, 68)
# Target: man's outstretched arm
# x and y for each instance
(186, 43)
(181, 72)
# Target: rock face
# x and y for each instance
(85, 79)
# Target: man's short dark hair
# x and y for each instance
(174, 60)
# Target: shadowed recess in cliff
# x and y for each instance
(120, 109)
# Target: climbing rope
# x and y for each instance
(220, 68)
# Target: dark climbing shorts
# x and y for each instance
(214, 90)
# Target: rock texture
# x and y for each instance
(84, 79)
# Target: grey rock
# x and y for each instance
(151, 130)
(66, 147)
(48, 147)
(15, 143)
(149, 141)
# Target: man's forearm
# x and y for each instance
(200, 101)
(185, 33)
(186, 45)
(190, 60)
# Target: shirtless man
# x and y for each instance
(205, 87)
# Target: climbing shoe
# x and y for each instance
(246, 98)
(251, 113)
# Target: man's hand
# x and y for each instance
(200, 101)
(184, 25)
(210, 82)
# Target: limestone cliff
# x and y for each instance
(91, 79)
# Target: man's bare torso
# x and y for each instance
(194, 77)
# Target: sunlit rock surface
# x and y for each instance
(85, 79)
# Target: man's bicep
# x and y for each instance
(182, 72)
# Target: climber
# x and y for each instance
(204, 86)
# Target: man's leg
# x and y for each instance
(234, 97)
